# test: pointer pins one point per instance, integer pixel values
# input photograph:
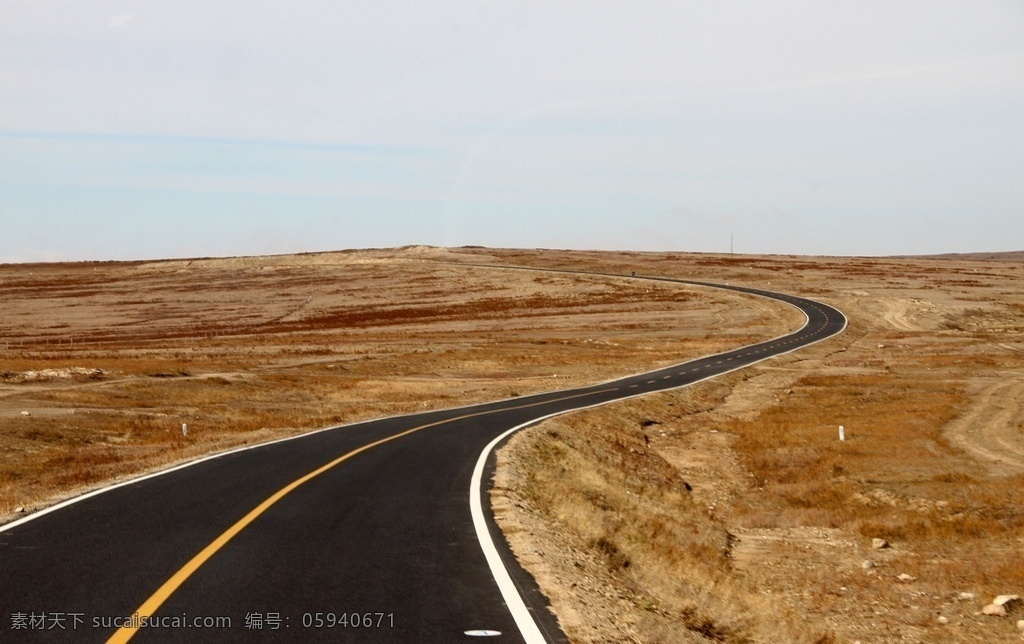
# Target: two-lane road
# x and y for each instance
(374, 532)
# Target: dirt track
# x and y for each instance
(992, 428)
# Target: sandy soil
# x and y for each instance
(992, 428)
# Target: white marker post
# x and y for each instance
(184, 429)
(842, 433)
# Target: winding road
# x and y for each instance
(375, 532)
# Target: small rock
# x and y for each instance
(879, 544)
(905, 578)
(867, 564)
(966, 597)
(20, 509)
(943, 620)
(1007, 601)
(1020, 624)
(994, 610)
(25, 413)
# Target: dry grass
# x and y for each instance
(765, 546)
(650, 563)
(760, 449)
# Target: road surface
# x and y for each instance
(375, 532)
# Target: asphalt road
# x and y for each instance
(374, 532)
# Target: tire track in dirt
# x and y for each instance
(992, 429)
(899, 313)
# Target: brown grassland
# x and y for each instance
(727, 511)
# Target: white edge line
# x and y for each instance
(175, 468)
(234, 450)
(516, 605)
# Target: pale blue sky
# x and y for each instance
(144, 129)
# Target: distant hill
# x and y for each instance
(1007, 256)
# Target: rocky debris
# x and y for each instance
(1020, 625)
(879, 544)
(868, 565)
(877, 498)
(20, 509)
(905, 578)
(966, 597)
(1008, 601)
(1002, 605)
(53, 374)
(942, 619)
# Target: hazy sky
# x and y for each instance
(185, 128)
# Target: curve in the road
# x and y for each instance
(523, 616)
(352, 538)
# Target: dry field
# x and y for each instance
(727, 511)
